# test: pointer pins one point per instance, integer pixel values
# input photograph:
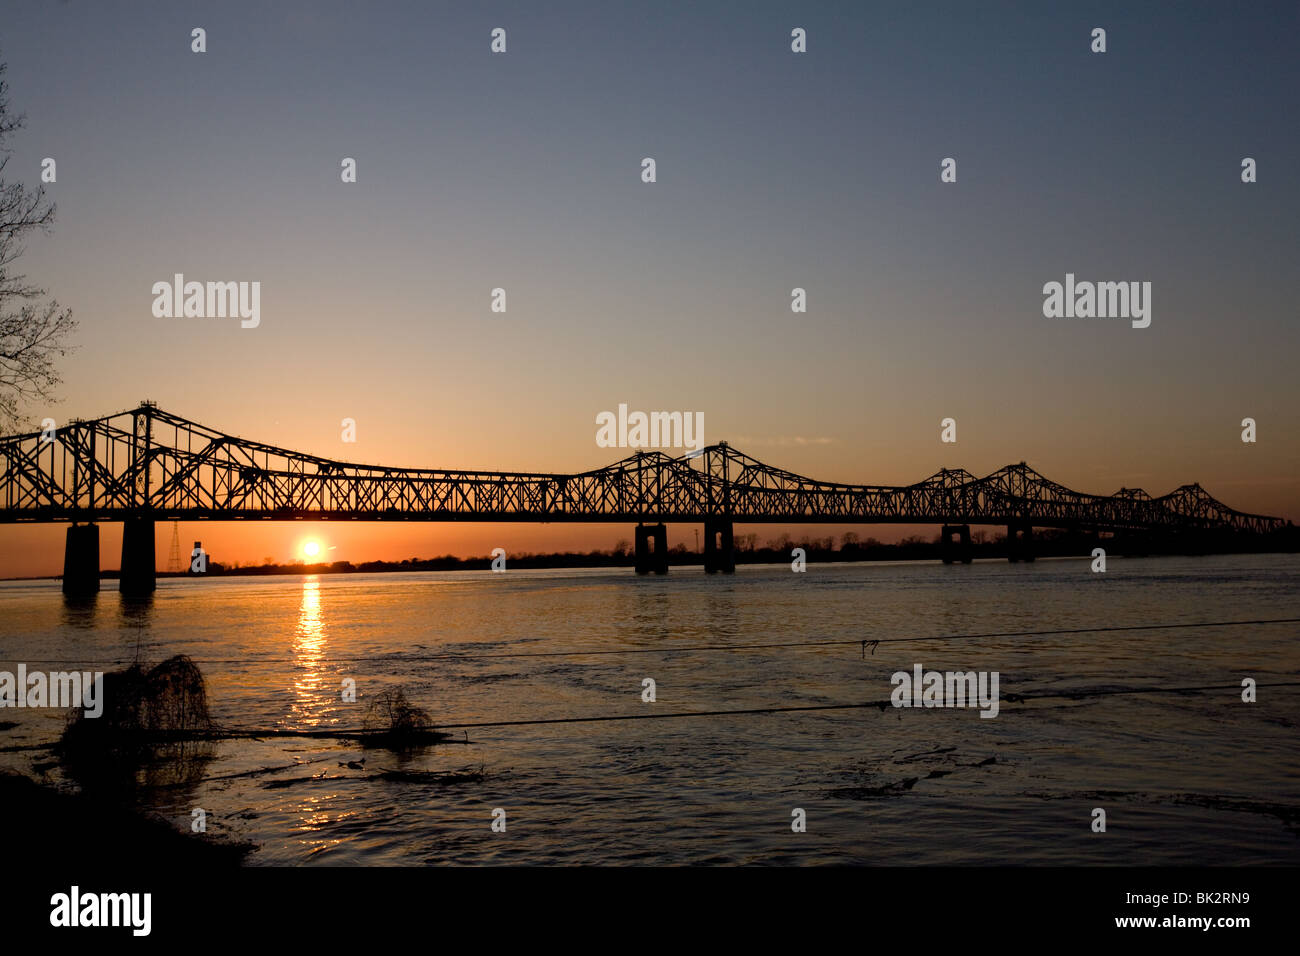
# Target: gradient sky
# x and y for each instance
(775, 170)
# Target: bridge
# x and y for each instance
(146, 464)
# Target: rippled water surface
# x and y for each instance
(1198, 778)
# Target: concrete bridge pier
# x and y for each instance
(1020, 541)
(81, 560)
(959, 550)
(651, 549)
(139, 576)
(719, 546)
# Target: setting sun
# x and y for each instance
(311, 548)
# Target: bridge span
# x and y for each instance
(146, 464)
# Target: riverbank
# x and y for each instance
(48, 824)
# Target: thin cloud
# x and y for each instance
(782, 440)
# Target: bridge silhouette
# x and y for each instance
(146, 464)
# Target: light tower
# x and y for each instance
(174, 555)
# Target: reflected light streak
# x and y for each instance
(309, 650)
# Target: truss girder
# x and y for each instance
(146, 458)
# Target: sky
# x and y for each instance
(774, 170)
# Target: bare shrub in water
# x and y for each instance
(393, 718)
(141, 708)
(176, 699)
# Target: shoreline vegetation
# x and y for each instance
(850, 548)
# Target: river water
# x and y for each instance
(1184, 778)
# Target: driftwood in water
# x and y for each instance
(365, 737)
(428, 777)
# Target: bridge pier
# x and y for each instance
(139, 576)
(81, 560)
(1020, 541)
(719, 546)
(961, 550)
(651, 549)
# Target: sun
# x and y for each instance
(311, 548)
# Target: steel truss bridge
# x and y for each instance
(146, 464)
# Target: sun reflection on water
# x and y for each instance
(309, 652)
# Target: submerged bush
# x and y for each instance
(392, 718)
(141, 708)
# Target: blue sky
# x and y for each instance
(775, 170)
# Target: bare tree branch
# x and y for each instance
(32, 333)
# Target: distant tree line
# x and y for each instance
(778, 550)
